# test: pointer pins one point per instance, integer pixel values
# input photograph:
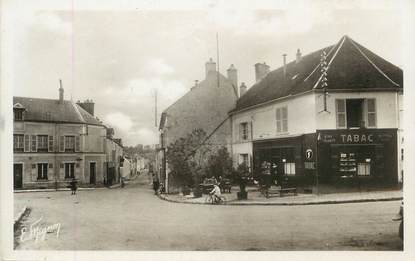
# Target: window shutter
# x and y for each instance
(341, 113)
(279, 120)
(371, 112)
(61, 143)
(77, 144)
(26, 143)
(250, 162)
(240, 131)
(250, 137)
(50, 148)
(33, 147)
(284, 115)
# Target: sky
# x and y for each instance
(119, 57)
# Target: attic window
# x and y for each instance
(18, 115)
(295, 76)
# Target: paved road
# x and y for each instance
(132, 218)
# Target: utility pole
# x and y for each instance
(217, 55)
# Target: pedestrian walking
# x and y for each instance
(73, 185)
(156, 184)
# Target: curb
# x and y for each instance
(327, 202)
(20, 215)
(52, 190)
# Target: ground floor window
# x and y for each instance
(42, 171)
(244, 159)
(289, 168)
(69, 170)
(363, 169)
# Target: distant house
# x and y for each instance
(206, 107)
(330, 117)
(56, 140)
(114, 155)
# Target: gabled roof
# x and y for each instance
(350, 67)
(211, 79)
(50, 110)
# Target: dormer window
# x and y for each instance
(18, 112)
(18, 115)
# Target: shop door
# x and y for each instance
(92, 172)
(18, 176)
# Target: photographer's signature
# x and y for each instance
(38, 232)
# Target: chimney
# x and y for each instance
(233, 75)
(60, 91)
(284, 60)
(261, 69)
(87, 105)
(242, 89)
(196, 84)
(210, 66)
(298, 56)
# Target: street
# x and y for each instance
(133, 218)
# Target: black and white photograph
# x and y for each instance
(212, 129)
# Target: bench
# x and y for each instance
(280, 191)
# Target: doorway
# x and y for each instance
(92, 172)
(18, 175)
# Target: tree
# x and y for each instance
(186, 158)
(220, 163)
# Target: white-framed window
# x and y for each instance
(244, 159)
(69, 170)
(282, 119)
(363, 169)
(18, 142)
(355, 113)
(42, 171)
(289, 168)
(42, 143)
(18, 115)
(69, 143)
(245, 130)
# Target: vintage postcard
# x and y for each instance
(206, 130)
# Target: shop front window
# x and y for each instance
(289, 168)
(363, 169)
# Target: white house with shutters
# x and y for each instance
(334, 114)
(56, 140)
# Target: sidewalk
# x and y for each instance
(256, 198)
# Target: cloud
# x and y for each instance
(254, 22)
(141, 91)
(158, 67)
(119, 121)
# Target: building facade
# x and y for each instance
(114, 152)
(332, 117)
(54, 141)
(205, 107)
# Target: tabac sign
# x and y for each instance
(361, 136)
(356, 138)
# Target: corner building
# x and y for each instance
(55, 140)
(342, 134)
